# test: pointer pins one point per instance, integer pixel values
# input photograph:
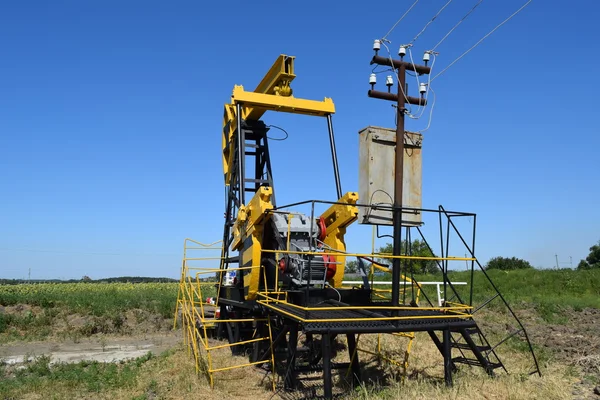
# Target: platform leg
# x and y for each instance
(447, 353)
(354, 359)
(327, 383)
(290, 375)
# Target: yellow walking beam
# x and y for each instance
(272, 93)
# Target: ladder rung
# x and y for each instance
(319, 367)
(256, 180)
(465, 346)
(476, 363)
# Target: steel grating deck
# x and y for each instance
(416, 320)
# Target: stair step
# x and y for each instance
(470, 361)
(319, 367)
(465, 346)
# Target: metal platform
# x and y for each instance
(349, 319)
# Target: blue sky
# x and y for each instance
(110, 119)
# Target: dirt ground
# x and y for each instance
(574, 344)
(101, 348)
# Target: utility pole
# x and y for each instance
(401, 99)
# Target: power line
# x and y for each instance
(397, 77)
(433, 55)
(430, 22)
(455, 26)
(482, 39)
(430, 110)
(401, 18)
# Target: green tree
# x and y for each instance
(351, 267)
(592, 260)
(507, 264)
(418, 248)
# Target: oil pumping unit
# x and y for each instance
(278, 297)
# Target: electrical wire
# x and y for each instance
(338, 293)
(373, 71)
(418, 84)
(401, 18)
(428, 83)
(370, 210)
(414, 66)
(409, 110)
(455, 26)
(430, 22)
(281, 129)
(482, 39)
(430, 111)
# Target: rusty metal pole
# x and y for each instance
(398, 182)
(401, 99)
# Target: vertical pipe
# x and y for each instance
(326, 349)
(267, 156)
(447, 358)
(240, 147)
(290, 377)
(447, 255)
(310, 249)
(336, 170)
(355, 366)
(258, 170)
(399, 178)
(473, 261)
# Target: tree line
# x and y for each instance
(420, 248)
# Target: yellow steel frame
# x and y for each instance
(337, 218)
(196, 321)
(192, 308)
(249, 226)
(272, 93)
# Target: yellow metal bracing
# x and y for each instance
(293, 105)
(277, 81)
(247, 236)
(337, 218)
(272, 93)
(198, 317)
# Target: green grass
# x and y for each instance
(34, 311)
(85, 376)
(98, 299)
(577, 289)
(550, 292)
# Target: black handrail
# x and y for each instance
(497, 291)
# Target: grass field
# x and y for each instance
(561, 309)
(35, 311)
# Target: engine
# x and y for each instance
(305, 235)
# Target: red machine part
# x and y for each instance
(322, 230)
(330, 265)
(282, 265)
